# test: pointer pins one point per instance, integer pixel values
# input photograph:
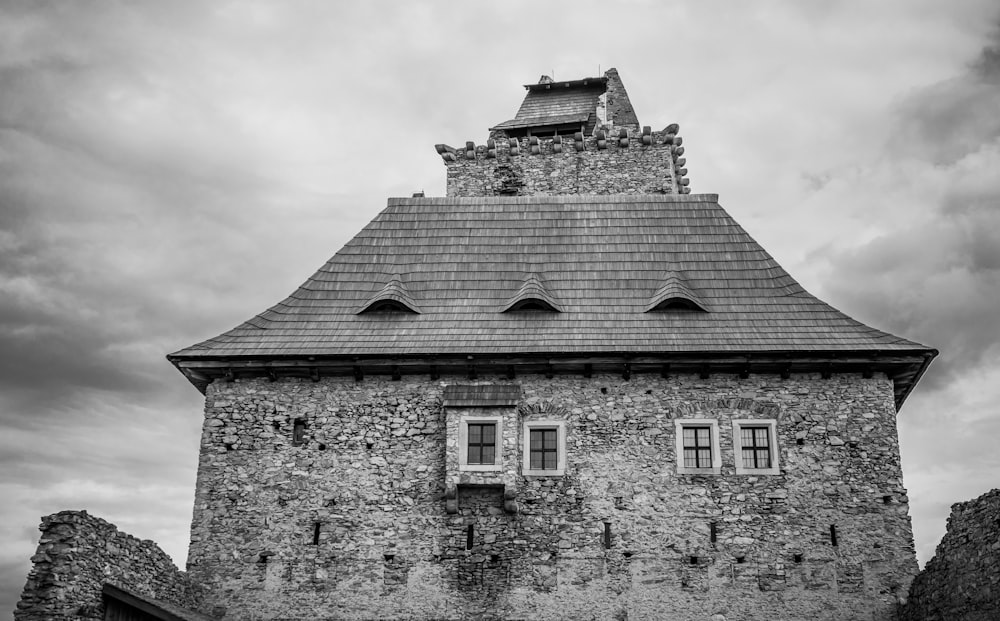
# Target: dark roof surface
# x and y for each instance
(602, 257)
(556, 106)
(154, 608)
(462, 395)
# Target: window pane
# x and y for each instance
(549, 439)
(475, 434)
(688, 436)
(489, 434)
(763, 458)
(473, 455)
(702, 435)
(536, 460)
(760, 436)
(690, 458)
(488, 455)
(551, 461)
(536, 439)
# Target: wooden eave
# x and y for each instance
(904, 367)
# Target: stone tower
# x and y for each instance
(569, 389)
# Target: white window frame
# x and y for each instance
(560, 427)
(463, 444)
(772, 426)
(713, 425)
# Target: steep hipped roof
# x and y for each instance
(602, 257)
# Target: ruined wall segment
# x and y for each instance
(78, 553)
(962, 581)
(329, 499)
(644, 162)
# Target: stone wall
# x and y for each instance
(962, 581)
(78, 553)
(592, 166)
(349, 521)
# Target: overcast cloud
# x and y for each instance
(169, 169)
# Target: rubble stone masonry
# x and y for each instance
(962, 581)
(550, 168)
(329, 500)
(78, 553)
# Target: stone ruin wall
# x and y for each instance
(78, 553)
(962, 581)
(593, 166)
(351, 522)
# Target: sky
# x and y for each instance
(170, 169)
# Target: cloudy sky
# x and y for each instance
(169, 169)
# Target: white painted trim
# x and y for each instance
(463, 446)
(560, 427)
(772, 426)
(713, 425)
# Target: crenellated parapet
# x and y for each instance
(619, 161)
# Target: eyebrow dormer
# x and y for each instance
(674, 294)
(532, 296)
(393, 297)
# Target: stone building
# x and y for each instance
(569, 389)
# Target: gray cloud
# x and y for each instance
(169, 169)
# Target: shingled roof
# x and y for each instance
(604, 259)
(558, 103)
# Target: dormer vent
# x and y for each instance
(532, 296)
(393, 297)
(674, 294)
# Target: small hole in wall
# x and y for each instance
(369, 445)
(800, 441)
(886, 500)
(298, 431)
(833, 535)
(275, 425)
(693, 560)
(388, 558)
(470, 535)
(229, 446)
(797, 558)
(713, 532)
(649, 392)
(322, 446)
(628, 553)
(316, 528)
(741, 559)
(494, 558)
(604, 390)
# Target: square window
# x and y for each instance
(544, 452)
(543, 449)
(480, 441)
(482, 444)
(755, 443)
(697, 445)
